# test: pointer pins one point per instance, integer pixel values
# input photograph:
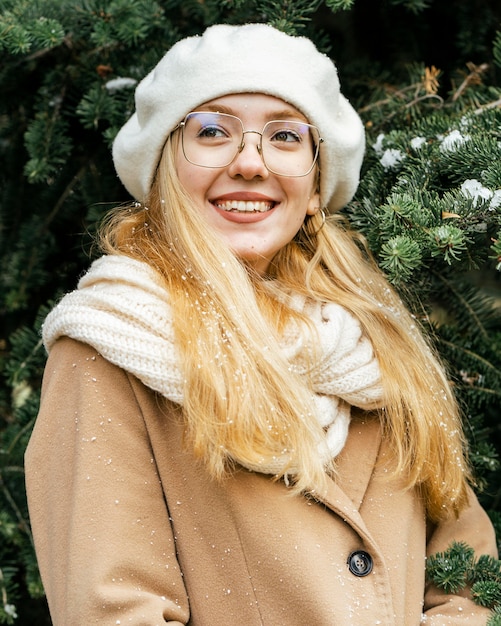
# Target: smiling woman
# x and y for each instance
(238, 191)
(231, 429)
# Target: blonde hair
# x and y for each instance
(242, 402)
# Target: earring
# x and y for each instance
(306, 227)
(322, 214)
(323, 219)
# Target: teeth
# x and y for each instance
(248, 207)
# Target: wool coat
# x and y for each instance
(130, 530)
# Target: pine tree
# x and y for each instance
(429, 203)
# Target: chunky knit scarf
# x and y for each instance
(121, 308)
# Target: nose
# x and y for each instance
(248, 162)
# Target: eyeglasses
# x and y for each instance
(288, 148)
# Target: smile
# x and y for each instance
(244, 206)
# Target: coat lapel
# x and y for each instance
(360, 452)
(355, 465)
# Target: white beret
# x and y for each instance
(254, 58)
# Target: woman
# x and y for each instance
(240, 423)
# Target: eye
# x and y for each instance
(208, 127)
(286, 135)
(212, 132)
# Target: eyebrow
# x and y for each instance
(278, 114)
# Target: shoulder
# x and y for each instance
(70, 358)
(75, 371)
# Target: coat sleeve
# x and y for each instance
(474, 528)
(100, 521)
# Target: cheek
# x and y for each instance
(188, 177)
(181, 169)
(191, 181)
(305, 197)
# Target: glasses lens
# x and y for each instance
(211, 139)
(290, 148)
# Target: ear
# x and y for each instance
(313, 204)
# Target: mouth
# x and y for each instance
(244, 206)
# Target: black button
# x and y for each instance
(360, 563)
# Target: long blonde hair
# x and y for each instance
(242, 402)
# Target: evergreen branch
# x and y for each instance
(495, 619)
(289, 16)
(22, 365)
(415, 6)
(426, 96)
(473, 78)
(496, 104)
(456, 568)
(22, 431)
(9, 610)
(33, 258)
(475, 357)
(339, 5)
(43, 52)
(22, 522)
(66, 193)
(397, 94)
(488, 391)
(464, 302)
(449, 242)
(451, 570)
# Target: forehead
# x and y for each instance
(253, 106)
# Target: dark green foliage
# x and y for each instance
(457, 568)
(430, 207)
(495, 620)
(339, 5)
(291, 16)
(451, 570)
(68, 71)
(21, 374)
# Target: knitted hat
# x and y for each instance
(254, 58)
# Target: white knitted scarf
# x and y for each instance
(121, 308)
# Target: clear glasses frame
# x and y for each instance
(313, 131)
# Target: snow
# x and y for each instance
(418, 142)
(378, 146)
(452, 141)
(472, 188)
(496, 200)
(10, 610)
(116, 84)
(391, 158)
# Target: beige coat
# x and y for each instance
(129, 529)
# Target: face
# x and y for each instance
(253, 210)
